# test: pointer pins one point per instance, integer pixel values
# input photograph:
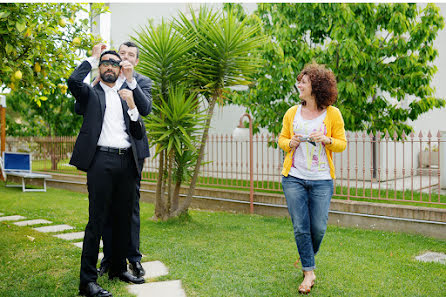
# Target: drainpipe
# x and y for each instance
(442, 159)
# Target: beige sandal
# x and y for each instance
(305, 289)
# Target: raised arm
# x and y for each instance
(78, 88)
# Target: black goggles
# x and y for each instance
(111, 62)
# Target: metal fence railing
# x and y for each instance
(373, 167)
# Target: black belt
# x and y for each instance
(119, 151)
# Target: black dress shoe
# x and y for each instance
(92, 289)
(103, 269)
(127, 277)
(137, 269)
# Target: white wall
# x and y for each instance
(436, 119)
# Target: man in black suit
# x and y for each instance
(130, 52)
(106, 149)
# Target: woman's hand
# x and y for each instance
(318, 136)
(295, 141)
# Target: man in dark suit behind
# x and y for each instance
(130, 52)
(106, 149)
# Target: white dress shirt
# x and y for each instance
(113, 127)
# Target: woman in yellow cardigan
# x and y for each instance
(310, 133)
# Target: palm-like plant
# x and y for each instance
(163, 56)
(175, 130)
(163, 59)
(222, 56)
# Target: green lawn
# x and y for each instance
(215, 254)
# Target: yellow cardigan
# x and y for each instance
(335, 130)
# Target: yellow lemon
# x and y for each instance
(62, 23)
(76, 41)
(18, 75)
(37, 67)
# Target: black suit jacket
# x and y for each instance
(143, 100)
(90, 103)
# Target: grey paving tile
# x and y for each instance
(71, 236)
(32, 222)
(164, 289)
(54, 228)
(154, 269)
(432, 257)
(12, 218)
(81, 243)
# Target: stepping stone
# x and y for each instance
(11, 218)
(54, 228)
(165, 289)
(81, 243)
(71, 236)
(432, 257)
(154, 269)
(100, 256)
(32, 222)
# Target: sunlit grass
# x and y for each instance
(215, 254)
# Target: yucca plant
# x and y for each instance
(222, 56)
(163, 56)
(163, 59)
(175, 130)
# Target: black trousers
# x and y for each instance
(111, 182)
(133, 253)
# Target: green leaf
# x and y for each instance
(9, 49)
(4, 14)
(21, 26)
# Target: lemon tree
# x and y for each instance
(40, 44)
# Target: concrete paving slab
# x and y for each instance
(32, 222)
(432, 257)
(165, 289)
(12, 218)
(81, 243)
(154, 269)
(54, 228)
(71, 236)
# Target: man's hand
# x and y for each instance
(97, 50)
(96, 81)
(127, 96)
(127, 70)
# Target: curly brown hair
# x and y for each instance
(323, 84)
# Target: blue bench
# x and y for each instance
(19, 165)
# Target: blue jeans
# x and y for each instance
(308, 203)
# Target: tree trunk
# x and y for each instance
(159, 204)
(184, 207)
(169, 184)
(176, 196)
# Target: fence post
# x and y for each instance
(3, 127)
(442, 161)
(251, 159)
